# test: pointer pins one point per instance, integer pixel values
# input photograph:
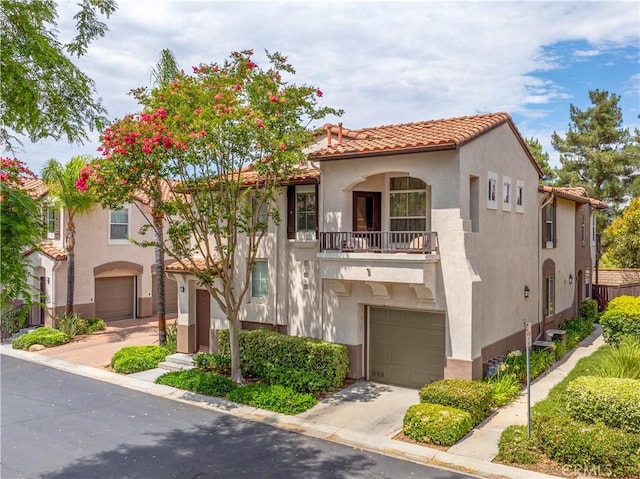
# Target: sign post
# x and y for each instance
(527, 337)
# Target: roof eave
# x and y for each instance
(385, 152)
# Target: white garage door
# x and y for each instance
(114, 298)
(406, 348)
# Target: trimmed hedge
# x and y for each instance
(133, 359)
(266, 354)
(516, 447)
(621, 318)
(436, 424)
(217, 363)
(611, 451)
(474, 397)
(588, 310)
(613, 401)
(272, 397)
(48, 337)
(198, 381)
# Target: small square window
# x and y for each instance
(492, 185)
(506, 193)
(519, 196)
(260, 279)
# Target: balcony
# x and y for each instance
(417, 242)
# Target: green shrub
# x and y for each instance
(69, 323)
(171, 337)
(613, 401)
(577, 329)
(516, 363)
(274, 398)
(621, 318)
(623, 361)
(299, 380)
(262, 352)
(198, 381)
(48, 337)
(588, 310)
(473, 397)
(436, 424)
(567, 441)
(516, 447)
(133, 359)
(560, 349)
(92, 325)
(217, 363)
(505, 388)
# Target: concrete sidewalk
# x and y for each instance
(482, 443)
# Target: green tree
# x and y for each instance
(542, 158)
(623, 237)
(20, 230)
(61, 183)
(43, 94)
(594, 153)
(225, 139)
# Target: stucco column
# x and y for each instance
(186, 313)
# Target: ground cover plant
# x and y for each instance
(73, 324)
(272, 397)
(133, 359)
(48, 337)
(198, 382)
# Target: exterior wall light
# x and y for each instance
(182, 289)
(570, 279)
(526, 291)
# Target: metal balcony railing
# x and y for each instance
(423, 242)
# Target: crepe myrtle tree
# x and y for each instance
(223, 139)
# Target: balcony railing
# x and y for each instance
(380, 242)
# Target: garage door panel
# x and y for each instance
(114, 298)
(406, 347)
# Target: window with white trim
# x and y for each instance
(119, 225)
(492, 185)
(407, 204)
(51, 222)
(306, 216)
(260, 279)
(260, 211)
(549, 231)
(506, 193)
(519, 196)
(549, 296)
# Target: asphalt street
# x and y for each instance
(59, 425)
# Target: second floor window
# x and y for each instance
(407, 204)
(119, 224)
(302, 212)
(52, 223)
(549, 226)
(260, 279)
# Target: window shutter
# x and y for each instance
(291, 212)
(543, 224)
(555, 222)
(317, 218)
(56, 225)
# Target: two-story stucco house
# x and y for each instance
(418, 246)
(113, 277)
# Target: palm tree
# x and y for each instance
(61, 183)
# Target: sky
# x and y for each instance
(382, 62)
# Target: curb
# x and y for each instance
(373, 443)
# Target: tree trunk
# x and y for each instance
(71, 264)
(158, 225)
(234, 336)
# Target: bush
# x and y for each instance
(473, 397)
(198, 381)
(560, 350)
(92, 325)
(516, 447)
(436, 424)
(516, 363)
(504, 388)
(274, 398)
(588, 310)
(262, 352)
(69, 323)
(577, 329)
(613, 401)
(171, 337)
(594, 446)
(48, 337)
(621, 318)
(133, 359)
(299, 380)
(217, 363)
(622, 361)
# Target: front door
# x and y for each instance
(203, 320)
(366, 214)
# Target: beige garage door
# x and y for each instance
(170, 295)
(406, 348)
(114, 298)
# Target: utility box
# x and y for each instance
(556, 335)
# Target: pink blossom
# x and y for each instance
(227, 110)
(195, 69)
(237, 86)
(123, 181)
(251, 65)
(216, 69)
(218, 96)
(319, 92)
(147, 149)
(282, 147)
(259, 123)
(273, 98)
(202, 133)
(198, 111)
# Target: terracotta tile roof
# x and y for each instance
(51, 250)
(304, 173)
(166, 188)
(618, 277)
(573, 193)
(183, 266)
(432, 134)
(34, 186)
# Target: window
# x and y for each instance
(549, 296)
(119, 225)
(519, 196)
(260, 279)
(549, 225)
(506, 193)
(302, 212)
(260, 212)
(52, 222)
(492, 182)
(407, 204)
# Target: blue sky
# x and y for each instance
(384, 62)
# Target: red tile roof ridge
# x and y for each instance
(574, 193)
(53, 251)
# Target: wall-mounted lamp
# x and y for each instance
(570, 279)
(48, 280)
(526, 291)
(182, 289)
